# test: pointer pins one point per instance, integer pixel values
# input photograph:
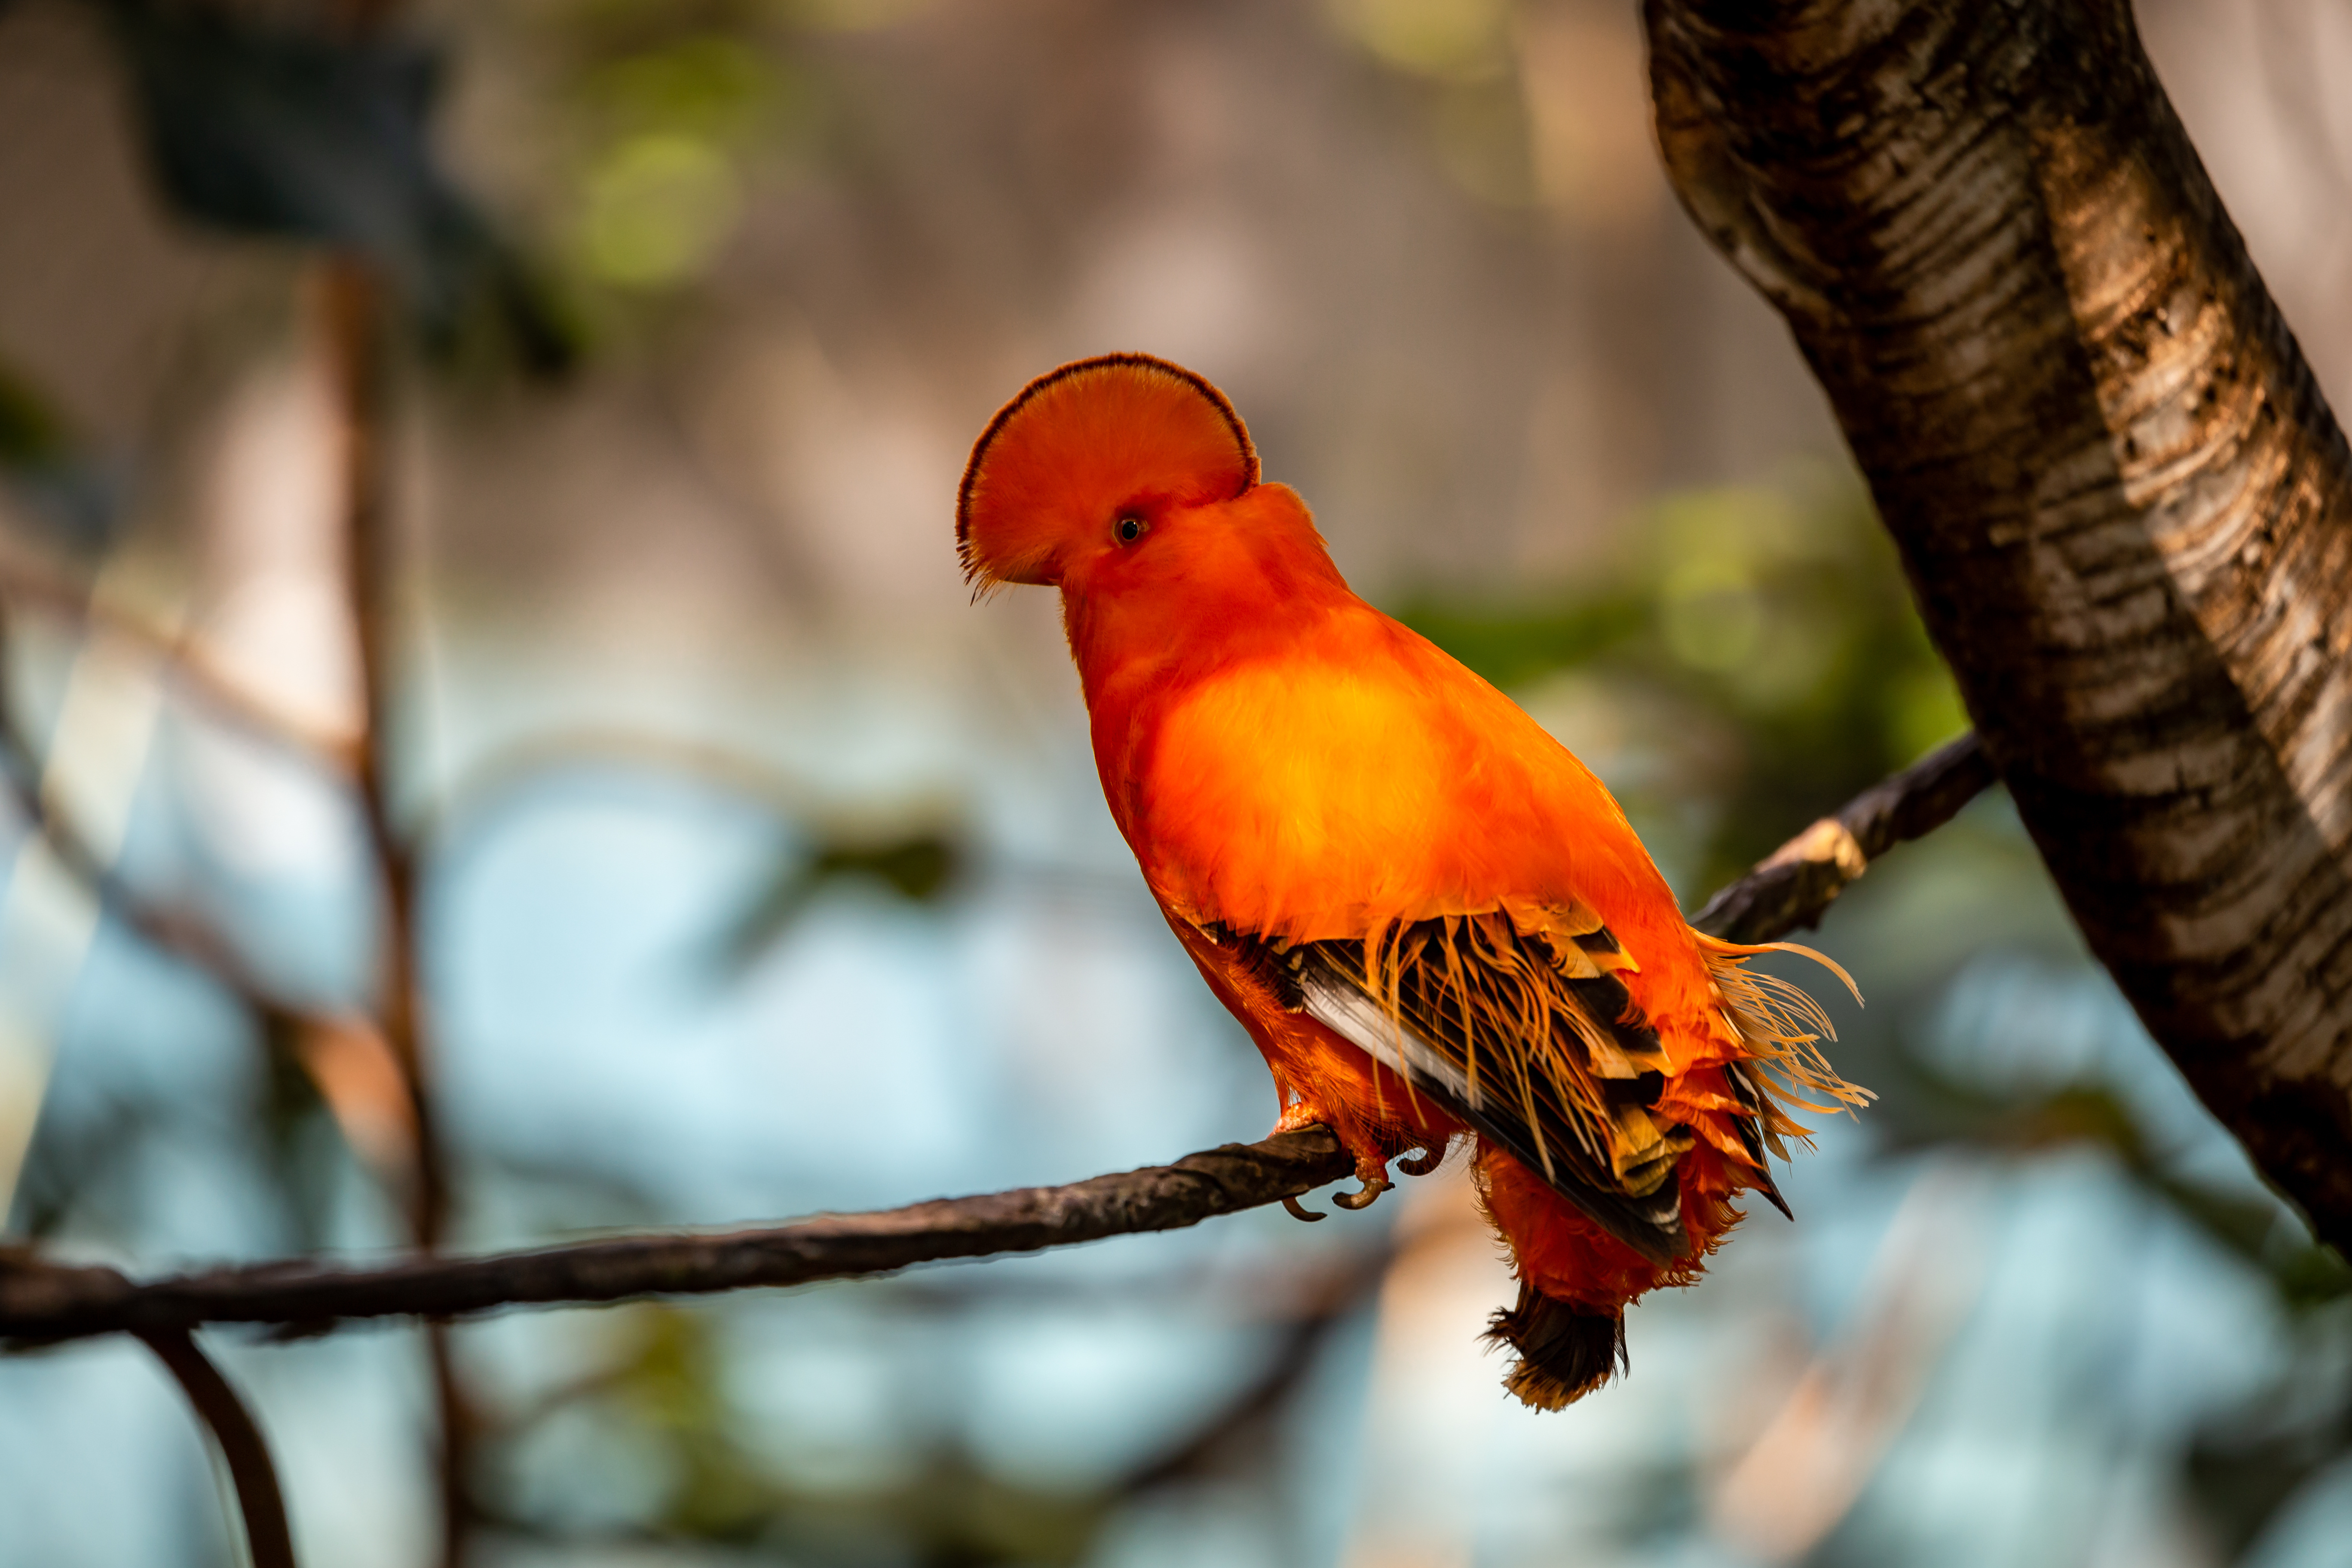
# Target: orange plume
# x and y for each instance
(1433, 921)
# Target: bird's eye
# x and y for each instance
(1132, 528)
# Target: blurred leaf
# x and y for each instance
(261, 129)
(671, 1383)
(657, 209)
(2244, 1480)
(918, 866)
(1931, 1109)
(674, 104)
(1445, 38)
(31, 432)
(77, 496)
(1774, 612)
(1512, 644)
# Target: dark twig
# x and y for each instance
(356, 343)
(195, 942)
(1790, 889)
(182, 667)
(1245, 1417)
(258, 1497)
(43, 1303)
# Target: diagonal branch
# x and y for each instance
(1791, 887)
(21, 771)
(181, 665)
(46, 1303)
(259, 1500)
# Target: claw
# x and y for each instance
(1363, 1196)
(1420, 1164)
(1300, 1210)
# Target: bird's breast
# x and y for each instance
(1311, 799)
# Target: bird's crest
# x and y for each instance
(1058, 464)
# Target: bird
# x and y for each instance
(1435, 922)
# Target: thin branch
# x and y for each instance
(181, 665)
(1791, 887)
(43, 1303)
(258, 1497)
(356, 340)
(1255, 1407)
(21, 772)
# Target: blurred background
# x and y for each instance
(744, 868)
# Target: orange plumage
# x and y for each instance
(1430, 918)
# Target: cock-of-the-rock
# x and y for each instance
(1431, 918)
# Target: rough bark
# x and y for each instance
(2120, 496)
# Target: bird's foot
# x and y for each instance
(1371, 1180)
(1297, 1117)
(1371, 1160)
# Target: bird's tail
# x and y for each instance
(1564, 1351)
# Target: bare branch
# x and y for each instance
(20, 778)
(357, 345)
(1795, 885)
(259, 1499)
(181, 665)
(43, 1303)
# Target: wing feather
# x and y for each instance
(1532, 1039)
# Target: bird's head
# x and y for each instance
(1094, 465)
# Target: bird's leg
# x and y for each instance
(1298, 1116)
(1371, 1160)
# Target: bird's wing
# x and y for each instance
(1531, 1038)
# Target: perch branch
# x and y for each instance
(43, 1303)
(49, 1302)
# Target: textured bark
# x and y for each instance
(2122, 501)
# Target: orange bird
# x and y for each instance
(1431, 918)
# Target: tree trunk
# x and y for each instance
(2122, 501)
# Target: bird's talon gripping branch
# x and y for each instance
(1297, 1117)
(1300, 1210)
(1361, 1198)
